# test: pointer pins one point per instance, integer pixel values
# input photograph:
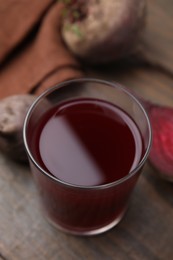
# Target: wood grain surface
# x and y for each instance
(146, 231)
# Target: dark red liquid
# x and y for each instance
(88, 142)
(85, 142)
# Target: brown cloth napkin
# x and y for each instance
(33, 56)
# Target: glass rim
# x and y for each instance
(94, 187)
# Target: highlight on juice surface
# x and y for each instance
(87, 141)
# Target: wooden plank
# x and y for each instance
(146, 232)
(157, 38)
(145, 82)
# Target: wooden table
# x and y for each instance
(146, 232)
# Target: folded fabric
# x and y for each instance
(33, 56)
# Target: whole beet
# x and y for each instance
(13, 111)
(100, 31)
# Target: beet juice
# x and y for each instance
(87, 142)
(85, 145)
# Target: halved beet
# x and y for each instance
(161, 155)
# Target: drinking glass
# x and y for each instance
(80, 209)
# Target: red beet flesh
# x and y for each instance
(161, 155)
